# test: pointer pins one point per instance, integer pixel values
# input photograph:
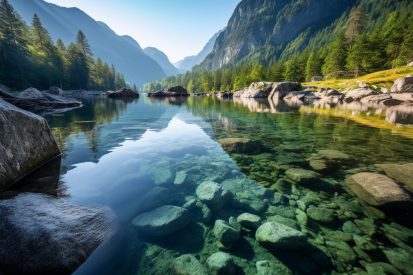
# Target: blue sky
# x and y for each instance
(179, 28)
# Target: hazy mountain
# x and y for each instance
(265, 28)
(162, 60)
(121, 51)
(188, 62)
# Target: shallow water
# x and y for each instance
(115, 151)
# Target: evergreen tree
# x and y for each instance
(358, 56)
(41, 36)
(313, 67)
(83, 44)
(337, 55)
(355, 25)
(61, 45)
(134, 87)
(293, 70)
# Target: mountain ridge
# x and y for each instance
(162, 60)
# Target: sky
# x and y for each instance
(179, 28)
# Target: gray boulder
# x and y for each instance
(26, 143)
(214, 194)
(225, 233)
(55, 91)
(220, 263)
(403, 85)
(360, 93)
(171, 91)
(281, 89)
(271, 268)
(240, 92)
(402, 173)
(239, 145)
(377, 190)
(258, 90)
(41, 234)
(162, 221)
(187, 265)
(30, 93)
(285, 221)
(249, 220)
(280, 236)
(316, 78)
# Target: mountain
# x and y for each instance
(266, 27)
(121, 51)
(162, 60)
(188, 62)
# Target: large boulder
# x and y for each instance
(220, 263)
(272, 268)
(281, 89)
(403, 85)
(162, 221)
(240, 92)
(124, 92)
(239, 145)
(41, 234)
(214, 195)
(321, 215)
(280, 236)
(316, 78)
(358, 94)
(26, 143)
(225, 233)
(385, 99)
(30, 93)
(401, 173)
(171, 91)
(377, 190)
(188, 265)
(258, 90)
(155, 198)
(55, 91)
(249, 220)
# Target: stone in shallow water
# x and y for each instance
(400, 232)
(188, 265)
(400, 259)
(349, 206)
(364, 244)
(285, 221)
(180, 178)
(270, 268)
(249, 220)
(214, 194)
(225, 233)
(51, 235)
(321, 215)
(162, 221)
(320, 165)
(301, 175)
(239, 145)
(334, 155)
(220, 263)
(350, 228)
(381, 268)
(402, 173)
(367, 226)
(155, 198)
(341, 236)
(377, 190)
(280, 236)
(342, 252)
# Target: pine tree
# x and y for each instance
(134, 87)
(83, 44)
(355, 25)
(61, 45)
(313, 67)
(358, 56)
(294, 70)
(336, 58)
(41, 36)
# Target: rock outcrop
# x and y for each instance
(124, 92)
(239, 145)
(403, 85)
(358, 94)
(258, 90)
(41, 234)
(26, 143)
(171, 91)
(377, 190)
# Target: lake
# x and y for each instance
(116, 151)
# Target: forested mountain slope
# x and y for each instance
(123, 52)
(162, 60)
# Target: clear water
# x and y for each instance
(108, 140)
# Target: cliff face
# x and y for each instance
(258, 25)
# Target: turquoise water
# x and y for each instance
(116, 151)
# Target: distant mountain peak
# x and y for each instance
(162, 60)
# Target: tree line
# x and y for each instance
(29, 58)
(354, 51)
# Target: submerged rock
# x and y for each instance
(342, 252)
(214, 194)
(334, 155)
(249, 220)
(26, 143)
(239, 145)
(220, 263)
(41, 234)
(162, 221)
(402, 173)
(285, 221)
(155, 198)
(280, 236)
(225, 233)
(301, 175)
(187, 265)
(321, 215)
(377, 190)
(270, 268)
